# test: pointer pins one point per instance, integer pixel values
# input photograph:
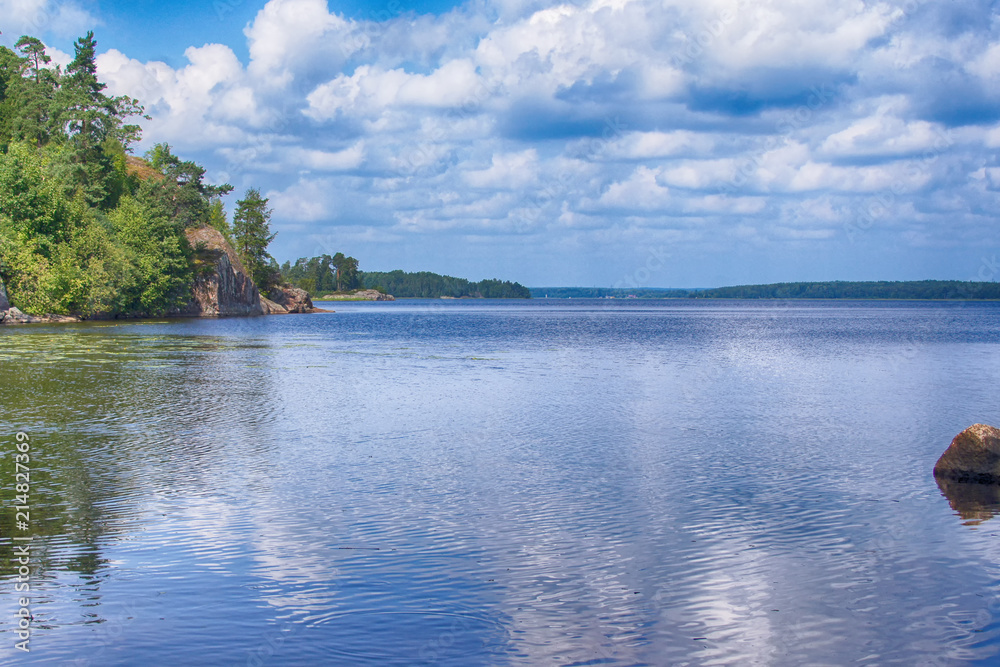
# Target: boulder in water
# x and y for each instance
(973, 456)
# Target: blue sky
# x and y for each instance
(593, 142)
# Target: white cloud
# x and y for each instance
(509, 171)
(210, 101)
(291, 35)
(603, 120)
(884, 134)
(371, 91)
(41, 17)
(641, 191)
(343, 160)
(649, 145)
(305, 201)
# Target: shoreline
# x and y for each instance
(25, 320)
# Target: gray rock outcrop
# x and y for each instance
(272, 308)
(223, 287)
(360, 295)
(973, 456)
(292, 299)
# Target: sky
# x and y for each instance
(611, 143)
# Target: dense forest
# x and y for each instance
(327, 274)
(917, 289)
(608, 293)
(86, 228)
(323, 274)
(424, 284)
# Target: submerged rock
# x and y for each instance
(973, 456)
(223, 287)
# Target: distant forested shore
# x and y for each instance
(427, 285)
(339, 274)
(912, 289)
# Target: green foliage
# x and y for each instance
(339, 273)
(252, 233)
(183, 193)
(346, 272)
(46, 107)
(26, 270)
(64, 160)
(323, 274)
(92, 272)
(917, 289)
(609, 293)
(427, 285)
(84, 228)
(160, 254)
(34, 206)
(217, 220)
(34, 115)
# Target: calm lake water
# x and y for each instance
(506, 483)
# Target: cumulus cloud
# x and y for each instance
(37, 17)
(599, 123)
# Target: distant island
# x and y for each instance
(913, 289)
(339, 275)
(427, 285)
(608, 293)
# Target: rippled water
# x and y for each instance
(490, 483)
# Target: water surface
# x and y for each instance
(507, 483)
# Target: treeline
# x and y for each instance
(339, 273)
(323, 274)
(427, 285)
(915, 289)
(918, 289)
(608, 292)
(85, 227)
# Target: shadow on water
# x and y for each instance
(973, 502)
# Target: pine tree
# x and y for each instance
(33, 94)
(93, 121)
(252, 232)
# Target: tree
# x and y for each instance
(252, 233)
(33, 94)
(183, 194)
(160, 256)
(91, 120)
(347, 272)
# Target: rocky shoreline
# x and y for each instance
(359, 295)
(222, 289)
